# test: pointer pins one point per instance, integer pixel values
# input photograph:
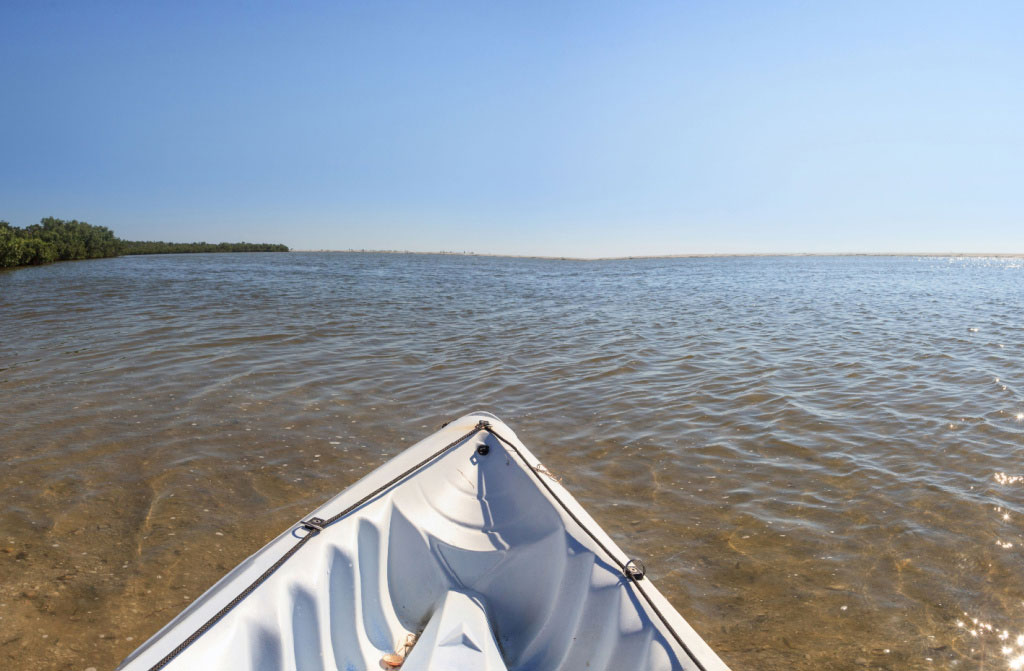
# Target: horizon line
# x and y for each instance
(710, 255)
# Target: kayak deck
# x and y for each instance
(463, 540)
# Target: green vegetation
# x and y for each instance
(128, 247)
(58, 240)
(54, 240)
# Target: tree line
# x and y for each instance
(130, 247)
(59, 240)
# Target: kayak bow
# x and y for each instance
(461, 552)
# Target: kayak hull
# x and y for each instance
(464, 540)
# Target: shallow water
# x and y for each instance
(818, 458)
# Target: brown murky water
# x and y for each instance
(819, 458)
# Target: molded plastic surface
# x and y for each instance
(458, 636)
(465, 524)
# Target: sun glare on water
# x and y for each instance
(1011, 650)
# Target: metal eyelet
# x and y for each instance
(314, 524)
(634, 569)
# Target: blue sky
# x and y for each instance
(551, 128)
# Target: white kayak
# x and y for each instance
(463, 552)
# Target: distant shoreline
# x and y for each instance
(53, 240)
(978, 255)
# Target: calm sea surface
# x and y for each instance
(818, 458)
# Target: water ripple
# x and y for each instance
(817, 457)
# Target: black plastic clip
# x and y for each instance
(483, 425)
(634, 569)
(314, 524)
(483, 449)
